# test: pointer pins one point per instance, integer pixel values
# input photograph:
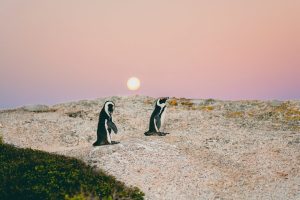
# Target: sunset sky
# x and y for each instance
(62, 50)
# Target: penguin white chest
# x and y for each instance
(107, 132)
(163, 115)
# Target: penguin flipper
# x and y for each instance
(157, 122)
(112, 125)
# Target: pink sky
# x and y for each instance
(56, 51)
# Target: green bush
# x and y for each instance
(33, 174)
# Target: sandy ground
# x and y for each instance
(215, 149)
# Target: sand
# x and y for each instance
(215, 149)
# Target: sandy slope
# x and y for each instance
(216, 149)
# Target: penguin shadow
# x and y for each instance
(114, 142)
(155, 134)
(106, 144)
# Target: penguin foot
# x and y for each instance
(148, 133)
(102, 144)
(97, 144)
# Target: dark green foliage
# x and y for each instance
(33, 174)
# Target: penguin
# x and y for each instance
(157, 117)
(105, 125)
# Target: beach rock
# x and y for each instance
(36, 108)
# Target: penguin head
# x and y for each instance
(161, 102)
(109, 107)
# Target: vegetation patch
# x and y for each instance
(33, 174)
(187, 103)
(38, 108)
(285, 116)
(236, 114)
(283, 112)
(209, 101)
(173, 102)
(207, 108)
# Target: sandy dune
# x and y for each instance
(215, 150)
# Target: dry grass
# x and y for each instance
(173, 102)
(236, 114)
(285, 112)
(285, 115)
(207, 108)
(187, 103)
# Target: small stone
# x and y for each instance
(1, 126)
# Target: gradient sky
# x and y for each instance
(61, 50)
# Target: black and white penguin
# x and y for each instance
(157, 117)
(105, 125)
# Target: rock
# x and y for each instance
(1, 126)
(275, 103)
(76, 114)
(198, 101)
(36, 108)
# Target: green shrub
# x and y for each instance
(33, 174)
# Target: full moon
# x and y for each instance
(133, 83)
